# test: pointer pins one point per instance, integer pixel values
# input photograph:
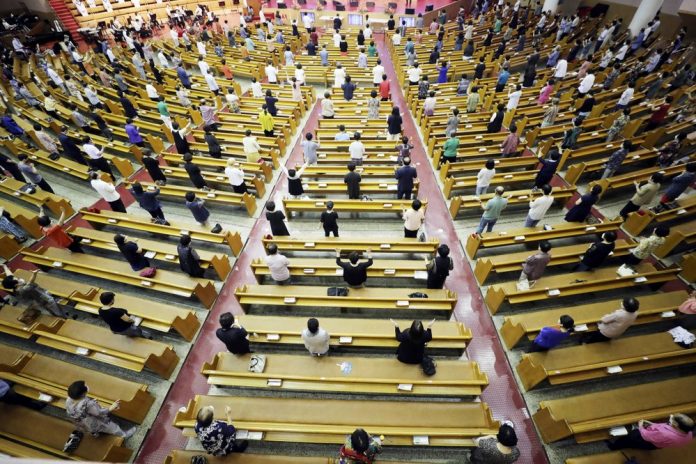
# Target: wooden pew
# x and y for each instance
(576, 284)
(25, 433)
(368, 186)
(8, 246)
(511, 262)
(446, 424)
(534, 234)
(360, 333)
(10, 324)
(636, 223)
(155, 316)
(173, 283)
(376, 244)
(684, 233)
(589, 417)
(165, 252)
(327, 267)
(584, 362)
(184, 457)
(348, 206)
(52, 202)
(471, 204)
(175, 229)
(659, 456)
(653, 308)
(262, 171)
(377, 298)
(219, 178)
(367, 375)
(25, 218)
(34, 374)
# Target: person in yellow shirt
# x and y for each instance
(266, 121)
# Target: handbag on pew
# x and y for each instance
(428, 366)
(29, 316)
(73, 441)
(631, 460)
(148, 272)
(337, 291)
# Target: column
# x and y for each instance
(550, 5)
(645, 12)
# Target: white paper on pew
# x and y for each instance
(667, 314)
(681, 211)
(392, 187)
(478, 137)
(309, 245)
(519, 238)
(272, 337)
(468, 126)
(640, 279)
(581, 328)
(318, 203)
(405, 387)
(594, 134)
(636, 157)
(384, 185)
(387, 205)
(169, 257)
(308, 271)
(421, 440)
(219, 178)
(17, 194)
(57, 264)
(289, 300)
(523, 197)
(509, 176)
(323, 155)
(389, 271)
(618, 431)
(45, 398)
(82, 351)
(151, 188)
(137, 320)
(322, 184)
(609, 145)
(150, 254)
(497, 161)
(403, 303)
(548, 227)
(146, 283)
(66, 169)
(590, 228)
(183, 232)
(385, 246)
(274, 382)
(483, 149)
(554, 292)
(86, 240)
(112, 221)
(254, 436)
(167, 171)
(420, 275)
(339, 271)
(614, 370)
(345, 340)
(211, 195)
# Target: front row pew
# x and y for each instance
(25, 433)
(444, 424)
(367, 375)
(34, 374)
(590, 417)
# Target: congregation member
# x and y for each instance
(354, 271)
(598, 252)
(551, 336)
(218, 437)
(492, 211)
(89, 417)
(534, 266)
(278, 265)
(118, 319)
(613, 325)
(234, 336)
(439, 267)
(501, 448)
(315, 339)
(412, 341)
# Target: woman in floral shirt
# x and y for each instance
(217, 437)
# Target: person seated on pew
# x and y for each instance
(354, 272)
(9, 396)
(55, 233)
(439, 267)
(679, 185)
(88, 416)
(689, 305)
(315, 339)
(149, 202)
(118, 319)
(218, 437)
(613, 325)
(151, 163)
(550, 337)
(235, 337)
(412, 342)
(675, 433)
(360, 448)
(189, 261)
(582, 208)
(132, 252)
(534, 266)
(646, 247)
(31, 295)
(329, 220)
(501, 449)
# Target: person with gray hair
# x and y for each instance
(218, 437)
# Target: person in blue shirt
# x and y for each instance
(502, 80)
(550, 337)
(409, 47)
(404, 176)
(348, 89)
(184, 77)
(324, 55)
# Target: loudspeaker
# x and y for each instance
(428, 8)
(410, 11)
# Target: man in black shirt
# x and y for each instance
(597, 253)
(118, 319)
(337, 23)
(354, 273)
(329, 220)
(352, 181)
(391, 23)
(480, 68)
(234, 338)
(70, 148)
(404, 176)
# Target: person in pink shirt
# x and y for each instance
(509, 145)
(546, 91)
(676, 432)
(689, 306)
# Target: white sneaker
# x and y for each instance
(130, 432)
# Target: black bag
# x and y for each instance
(418, 295)
(199, 459)
(337, 291)
(428, 366)
(73, 441)
(631, 460)
(54, 156)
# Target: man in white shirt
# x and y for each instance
(357, 150)
(414, 74)
(235, 175)
(278, 265)
(151, 92)
(203, 66)
(367, 32)
(377, 72)
(108, 192)
(315, 339)
(538, 207)
(307, 21)
(256, 89)
(271, 73)
(586, 83)
(561, 69)
(57, 80)
(626, 96)
(621, 54)
(514, 97)
(212, 83)
(175, 37)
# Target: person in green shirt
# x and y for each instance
(164, 113)
(449, 150)
(371, 50)
(492, 210)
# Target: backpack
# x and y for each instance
(428, 366)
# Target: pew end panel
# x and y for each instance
(638, 221)
(163, 364)
(494, 299)
(206, 293)
(531, 374)
(455, 204)
(482, 269)
(512, 333)
(473, 242)
(549, 427)
(234, 241)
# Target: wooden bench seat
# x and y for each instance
(578, 283)
(512, 262)
(367, 375)
(589, 417)
(636, 223)
(9, 247)
(378, 245)
(327, 267)
(378, 298)
(660, 456)
(196, 231)
(10, 324)
(653, 308)
(34, 374)
(132, 353)
(627, 179)
(368, 186)
(535, 234)
(263, 171)
(585, 362)
(12, 187)
(24, 217)
(329, 421)
(499, 179)
(471, 203)
(219, 178)
(363, 333)
(173, 283)
(26, 433)
(348, 206)
(683, 233)
(184, 457)
(339, 171)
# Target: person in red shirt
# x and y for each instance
(55, 233)
(314, 37)
(226, 71)
(659, 113)
(384, 90)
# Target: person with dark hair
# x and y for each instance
(197, 207)
(233, 336)
(659, 114)
(11, 167)
(194, 173)
(412, 342)
(32, 175)
(678, 431)
(679, 184)
(613, 325)
(315, 339)
(550, 337)
(670, 151)
(88, 416)
(534, 266)
(501, 449)
(9, 396)
(95, 157)
(132, 252)
(404, 150)
(616, 158)
(189, 261)
(492, 211)
(118, 319)
(218, 437)
(214, 148)
(179, 135)
(496, 121)
(597, 253)
(276, 220)
(354, 272)
(539, 206)
(133, 133)
(404, 177)
(449, 148)
(147, 199)
(439, 267)
(55, 233)
(151, 163)
(309, 149)
(484, 177)
(548, 168)
(646, 246)
(394, 122)
(30, 294)
(570, 136)
(413, 219)
(583, 206)
(352, 180)
(509, 145)
(360, 447)
(329, 220)
(108, 192)
(278, 265)
(644, 195)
